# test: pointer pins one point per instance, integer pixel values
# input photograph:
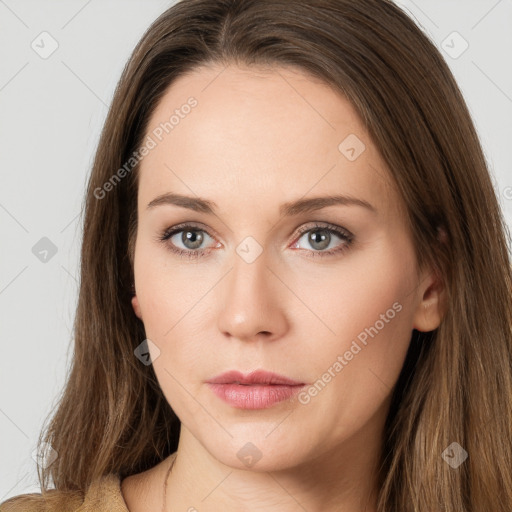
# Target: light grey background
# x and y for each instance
(51, 114)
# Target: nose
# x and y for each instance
(252, 301)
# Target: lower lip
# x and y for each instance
(258, 396)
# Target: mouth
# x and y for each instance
(257, 390)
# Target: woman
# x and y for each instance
(286, 297)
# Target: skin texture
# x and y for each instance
(256, 139)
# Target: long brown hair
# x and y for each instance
(456, 383)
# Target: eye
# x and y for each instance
(190, 236)
(322, 236)
(186, 240)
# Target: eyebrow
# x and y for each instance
(292, 208)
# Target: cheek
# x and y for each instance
(166, 287)
(171, 311)
(369, 307)
(352, 296)
(172, 318)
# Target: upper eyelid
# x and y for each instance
(325, 225)
(304, 228)
(183, 226)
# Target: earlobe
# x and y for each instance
(431, 308)
(136, 306)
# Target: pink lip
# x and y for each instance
(256, 377)
(257, 390)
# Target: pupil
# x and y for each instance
(324, 239)
(192, 237)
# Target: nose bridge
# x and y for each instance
(250, 296)
(249, 280)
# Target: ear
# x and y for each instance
(432, 302)
(136, 306)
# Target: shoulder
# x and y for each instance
(103, 495)
(48, 502)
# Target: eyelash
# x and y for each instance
(345, 235)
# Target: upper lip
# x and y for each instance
(255, 377)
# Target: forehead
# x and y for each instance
(259, 132)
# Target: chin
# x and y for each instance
(257, 452)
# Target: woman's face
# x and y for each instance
(271, 277)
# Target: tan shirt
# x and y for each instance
(104, 495)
